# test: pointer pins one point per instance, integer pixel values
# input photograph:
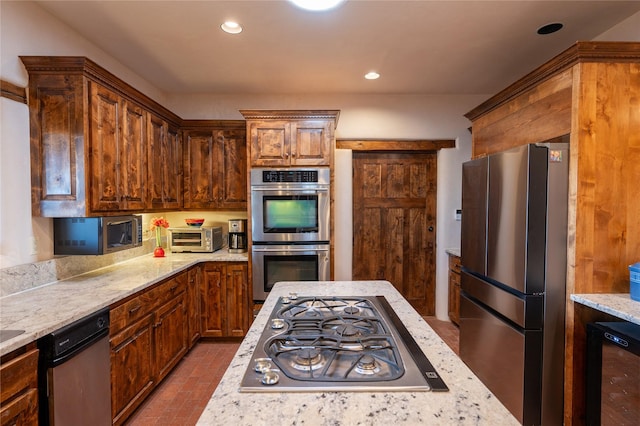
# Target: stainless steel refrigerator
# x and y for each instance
(513, 280)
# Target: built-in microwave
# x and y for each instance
(203, 239)
(96, 235)
(613, 374)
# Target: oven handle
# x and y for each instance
(290, 189)
(262, 248)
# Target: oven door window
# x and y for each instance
(289, 268)
(290, 213)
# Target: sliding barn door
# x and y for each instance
(394, 223)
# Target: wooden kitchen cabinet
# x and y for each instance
(577, 93)
(224, 299)
(454, 289)
(118, 148)
(290, 138)
(19, 387)
(171, 339)
(148, 336)
(90, 141)
(215, 164)
(132, 377)
(193, 304)
(164, 164)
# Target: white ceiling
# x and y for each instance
(419, 47)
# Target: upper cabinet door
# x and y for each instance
(132, 159)
(270, 143)
(164, 164)
(311, 143)
(231, 158)
(105, 127)
(117, 152)
(199, 170)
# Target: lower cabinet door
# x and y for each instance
(193, 305)
(212, 299)
(237, 300)
(171, 342)
(132, 364)
(22, 410)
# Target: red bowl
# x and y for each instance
(194, 222)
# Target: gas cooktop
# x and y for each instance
(337, 344)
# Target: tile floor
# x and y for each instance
(182, 396)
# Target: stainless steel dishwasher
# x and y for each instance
(74, 374)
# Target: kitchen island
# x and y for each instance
(468, 401)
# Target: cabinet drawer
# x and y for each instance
(170, 289)
(454, 264)
(136, 308)
(19, 374)
(132, 310)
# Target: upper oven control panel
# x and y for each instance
(272, 176)
(269, 176)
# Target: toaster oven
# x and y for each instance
(203, 239)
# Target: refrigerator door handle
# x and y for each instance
(525, 311)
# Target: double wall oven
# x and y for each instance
(289, 226)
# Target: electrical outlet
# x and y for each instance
(458, 214)
(34, 246)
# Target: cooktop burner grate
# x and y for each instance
(337, 343)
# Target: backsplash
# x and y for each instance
(31, 275)
(15, 279)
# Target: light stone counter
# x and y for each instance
(47, 308)
(453, 251)
(619, 305)
(468, 401)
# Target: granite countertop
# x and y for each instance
(44, 309)
(468, 401)
(453, 251)
(617, 304)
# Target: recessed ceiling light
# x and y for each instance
(550, 28)
(231, 27)
(316, 5)
(372, 75)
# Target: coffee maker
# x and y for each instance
(237, 235)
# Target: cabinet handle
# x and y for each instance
(173, 288)
(134, 309)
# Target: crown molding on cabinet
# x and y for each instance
(259, 114)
